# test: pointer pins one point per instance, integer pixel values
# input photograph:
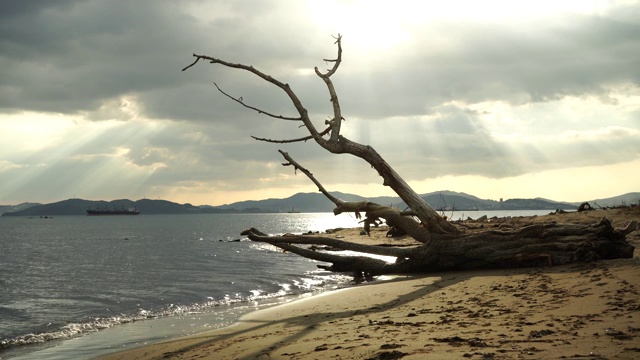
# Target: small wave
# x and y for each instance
(72, 330)
(315, 281)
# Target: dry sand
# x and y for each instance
(582, 311)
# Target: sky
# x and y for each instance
(497, 99)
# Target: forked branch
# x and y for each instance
(337, 113)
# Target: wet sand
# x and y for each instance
(582, 311)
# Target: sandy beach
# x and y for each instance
(579, 311)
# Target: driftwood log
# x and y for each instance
(444, 246)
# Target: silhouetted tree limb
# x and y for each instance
(304, 138)
(260, 111)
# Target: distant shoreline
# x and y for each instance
(306, 203)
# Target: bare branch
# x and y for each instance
(337, 113)
(373, 212)
(340, 263)
(304, 114)
(305, 138)
(334, 243)
(336, 62)
(240, 101)
(631, 227)
(321, 188)
(193, 63)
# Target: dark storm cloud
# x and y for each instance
(73, 56)
(11, 10)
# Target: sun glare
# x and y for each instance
(367, 25)
(378, 25)
(36, 143)
(31, 132)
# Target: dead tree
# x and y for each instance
(444, 246)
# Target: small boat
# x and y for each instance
(129, 211)
(293, 211)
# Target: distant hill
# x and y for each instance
(624, 200)
(440, 200)
(147, 206)
(13, 208)
(80, 207)
(450, 200)
(301, 202)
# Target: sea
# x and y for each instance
(77, 287)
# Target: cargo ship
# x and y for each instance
(129, 211)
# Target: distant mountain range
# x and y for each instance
(304, 202)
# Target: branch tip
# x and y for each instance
(193, 63)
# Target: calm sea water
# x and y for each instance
(78, 287)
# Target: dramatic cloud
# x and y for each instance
(493, 98)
